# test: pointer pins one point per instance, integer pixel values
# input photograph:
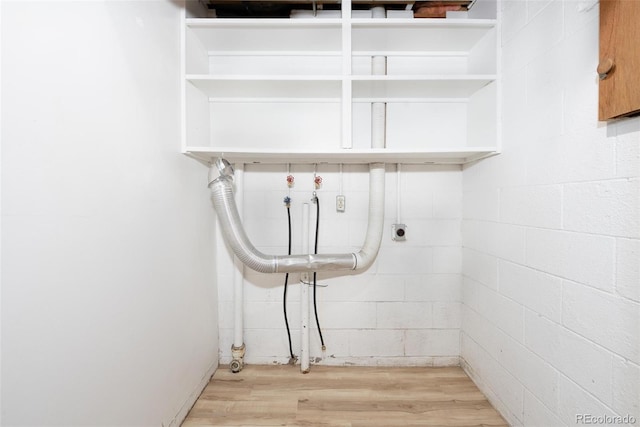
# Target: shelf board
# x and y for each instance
(419, 34)
(234, 86)
(320, 86)
(411, 53)
(350, 156)
(399, 23)
(248, 23)
(267, 34)
(262, 77)
(437, 86)
(320, 34)
(262, 23)
(281, 53)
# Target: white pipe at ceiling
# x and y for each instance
(378, 109)
(376, 170)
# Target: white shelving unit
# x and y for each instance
(300, 90)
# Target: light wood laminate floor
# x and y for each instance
(342, 396)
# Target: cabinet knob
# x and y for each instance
(604, 68)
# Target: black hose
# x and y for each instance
(286, 282)
(315, 251)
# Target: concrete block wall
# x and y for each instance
(551, 250)
(404, 310)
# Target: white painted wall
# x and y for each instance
(404, 310)
(109, 310)
(551, 293)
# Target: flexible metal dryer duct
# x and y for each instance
(233, 231)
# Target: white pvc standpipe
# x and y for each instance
(369, 250)
(238, 271)
(304, 296)
(378, 109)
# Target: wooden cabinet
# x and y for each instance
(300, 90)
(619, 66)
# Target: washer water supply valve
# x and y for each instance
(287, 202)
(399, 232)
(290, 181)
(317, 181)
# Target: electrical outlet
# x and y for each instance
(340, 203)
(399, 232)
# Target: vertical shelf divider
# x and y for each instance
(347, 122)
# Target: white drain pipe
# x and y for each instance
(376, 170)
(304, 296)
(238, 347)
